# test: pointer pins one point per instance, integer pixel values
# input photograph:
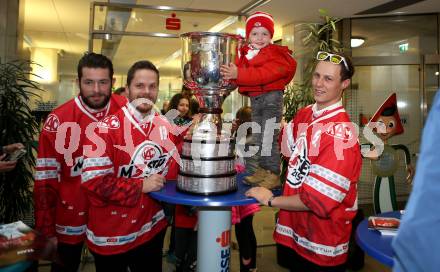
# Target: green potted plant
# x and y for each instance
(298, 94)
(17, 125)
(317, 37)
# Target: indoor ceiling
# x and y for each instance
(64, 25)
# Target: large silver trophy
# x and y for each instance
(208, 152)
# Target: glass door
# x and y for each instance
(430, 81)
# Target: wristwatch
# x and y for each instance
(269, 202)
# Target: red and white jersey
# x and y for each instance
(121, 217)
(323, 170)
(60, 205)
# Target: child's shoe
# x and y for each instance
(271, 181)
(256, 178)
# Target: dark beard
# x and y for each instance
(94, 106)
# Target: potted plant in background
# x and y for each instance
(317, 37)
(17, 125)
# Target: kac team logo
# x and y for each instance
(148, 153)
(147, 159)
(111, 122)
(299, 164)
(52, 123)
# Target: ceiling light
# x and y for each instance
(254, 5)
(401, 104)
(357, 41)
(241, 32)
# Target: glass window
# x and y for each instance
(395, 36)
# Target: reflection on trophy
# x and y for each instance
(208, 151)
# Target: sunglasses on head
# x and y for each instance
(333, 58)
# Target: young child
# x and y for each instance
(242, 216)
(262, 72)
(185, 223)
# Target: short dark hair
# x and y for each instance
(93, 60)
(345, 74)
(139, 65)
(244, 114)
(119, 90)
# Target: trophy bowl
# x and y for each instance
(202, 55)
(208, 152)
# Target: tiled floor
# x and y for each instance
(264, 222)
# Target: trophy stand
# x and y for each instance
(208, 152)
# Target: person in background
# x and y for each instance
(193, 104)
(6, 165)
(165, 106)
(60, 204)
(319, 199)
(262, 72)
(126, 227)
(242, 216)
(180, 103)
(121, 91)
(185, 223)
(417, 241)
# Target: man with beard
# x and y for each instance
(60, 205)
(126, 226)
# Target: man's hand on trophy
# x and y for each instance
(229, 71)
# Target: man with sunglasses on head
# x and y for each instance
(319, 196)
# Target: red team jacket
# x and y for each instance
(60, 206)
(323, 170)
(270, 70)
(121, 217)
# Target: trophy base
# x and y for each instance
(207, 185)
(207, 165)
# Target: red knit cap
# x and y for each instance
(259, 19)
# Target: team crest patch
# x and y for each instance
(147, 159)
(52, 123)
(299, 164)
(341, 131)
(111, 122)
(257, 24)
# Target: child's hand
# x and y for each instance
(229, 72)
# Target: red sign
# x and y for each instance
(224, 239)
(172, 23)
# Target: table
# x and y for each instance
(214, 216)
(373, 243)
(17, 267)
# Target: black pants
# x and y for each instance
(247, 243)
(68, 258)
(146, 257)
(300, 264)
(185, 249)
